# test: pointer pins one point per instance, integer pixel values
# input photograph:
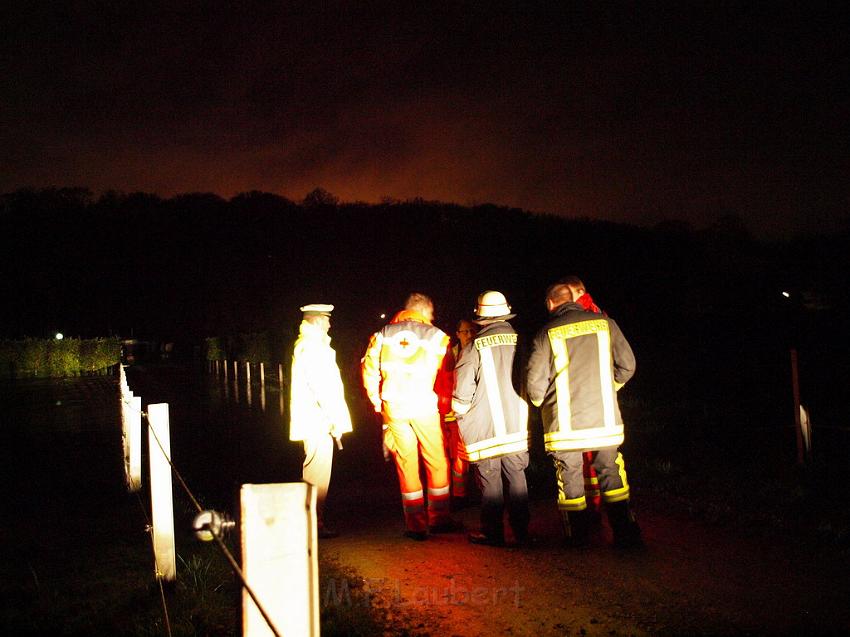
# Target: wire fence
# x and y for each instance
(213, 530)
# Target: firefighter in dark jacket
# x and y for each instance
(578, 362)
(493, 421)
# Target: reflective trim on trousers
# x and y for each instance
(575, 504)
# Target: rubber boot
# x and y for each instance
(576, 530)
(623, 524)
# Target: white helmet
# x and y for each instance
(492, 304)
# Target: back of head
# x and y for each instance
(419, 302)
(574, 283)
(558, 294)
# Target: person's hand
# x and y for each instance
(385, 448)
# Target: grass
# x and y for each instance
(116, 594)
(693, 460)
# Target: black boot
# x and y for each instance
(623, 524)
(576, 531)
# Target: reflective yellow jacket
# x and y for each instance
(407, 368)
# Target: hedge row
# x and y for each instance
(56, 358)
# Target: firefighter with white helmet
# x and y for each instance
(318, 413)
(493, 420)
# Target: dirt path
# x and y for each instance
(688, 580)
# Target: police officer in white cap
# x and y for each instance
(318, 413)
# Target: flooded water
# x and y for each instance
(227, 430)
(62, 442)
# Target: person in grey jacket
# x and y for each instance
(493, 421)
(579, 360)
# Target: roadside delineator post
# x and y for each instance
(134, 479)
(279, 559)
(162, 508)
(806, 429)
(131, 432)
(262, 386)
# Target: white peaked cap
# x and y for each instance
(320, 309)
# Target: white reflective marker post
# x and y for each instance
(279, 559)
(131, 430)
(162, 508)
(135, 426)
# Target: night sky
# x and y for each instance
(633, 113)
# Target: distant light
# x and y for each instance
(383, 316)
(59, 336)
(787, 295)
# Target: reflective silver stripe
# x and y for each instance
(606, 379)
(562, 380)
(413, 495)
(523, 415)
(496, 441)
(459, 407)
(501, 449)
(494, 398)
(438, 490)
(582, 440)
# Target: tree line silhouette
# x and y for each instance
(702, 307)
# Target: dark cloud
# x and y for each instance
(620, 112)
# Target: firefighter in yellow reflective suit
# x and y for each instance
(579, 360)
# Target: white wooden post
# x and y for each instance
(224, 365)
(280, 376)
(134, 481)
(279, 559)
(806, 428)
(162, 509)
(125, 433)
(248, 372)
(262, 386)
(131, 429)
